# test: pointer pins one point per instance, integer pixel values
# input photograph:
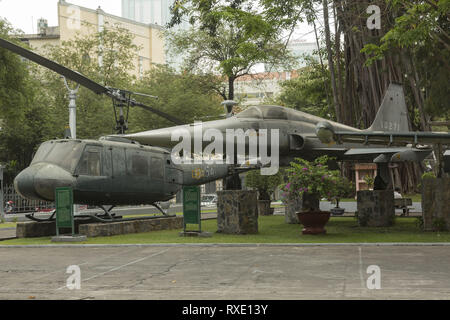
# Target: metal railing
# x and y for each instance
(22, 205)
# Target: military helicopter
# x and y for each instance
(112, 170)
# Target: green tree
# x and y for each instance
(187, 96)
(421, 32)
(228, 38)
(23, 113)
(308, 92)
(265, 185)
(105, 57)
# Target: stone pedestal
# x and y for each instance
(435, 203)
(237, 212)
(76, 238)
(42, 229)
(376, 208)
(133, 226)
(90, 229)
(292, 207)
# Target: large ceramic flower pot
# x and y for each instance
(314, 222)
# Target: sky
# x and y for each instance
(23, 14)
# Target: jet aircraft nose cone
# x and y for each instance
(40, 181)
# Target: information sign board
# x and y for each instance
(64, 209)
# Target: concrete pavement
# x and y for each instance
(227, 272)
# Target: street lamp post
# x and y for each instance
(72, 118)
(72, 109)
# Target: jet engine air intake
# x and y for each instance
(296, 142)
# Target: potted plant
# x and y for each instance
(312, 181)
(265, 185)
(344, 188)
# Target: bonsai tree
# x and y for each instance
(312, 181)
(343, 188)
(265, 185)
(370, 181)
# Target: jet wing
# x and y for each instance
(391, 154)
(392, 138)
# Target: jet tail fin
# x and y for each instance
(393, 113)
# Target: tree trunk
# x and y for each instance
(331, 61)
(231, 87)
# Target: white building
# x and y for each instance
(153, 12)
(300, 49)
(147, 11)
(254, 89)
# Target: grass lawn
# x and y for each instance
(273, 229)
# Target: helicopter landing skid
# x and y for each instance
(157, 206)
(33, 218)
(107, 217)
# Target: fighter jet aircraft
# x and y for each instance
(303, 135)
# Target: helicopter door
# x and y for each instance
(90, 170)
(138, 169)
(118, 171)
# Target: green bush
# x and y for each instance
(265, 185)
(439, 224)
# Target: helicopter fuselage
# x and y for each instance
(106, 172)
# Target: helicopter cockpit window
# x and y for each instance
(157, 169)
(42, 152)
(61, 153)
(90, 163)
(276, 113)
(252, 112)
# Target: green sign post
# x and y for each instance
(191, 207)
(64, 209)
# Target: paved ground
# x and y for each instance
(213, 272)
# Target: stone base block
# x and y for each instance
(376, 208)
(435, 203)
(237, 212)
(42, 229)
(196, 234)
(76, 238)
(292, 207)
(128, 227)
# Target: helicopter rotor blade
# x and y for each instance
(116, 94)
(66, 72)
(158, 112)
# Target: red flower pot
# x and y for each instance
(314, 222)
